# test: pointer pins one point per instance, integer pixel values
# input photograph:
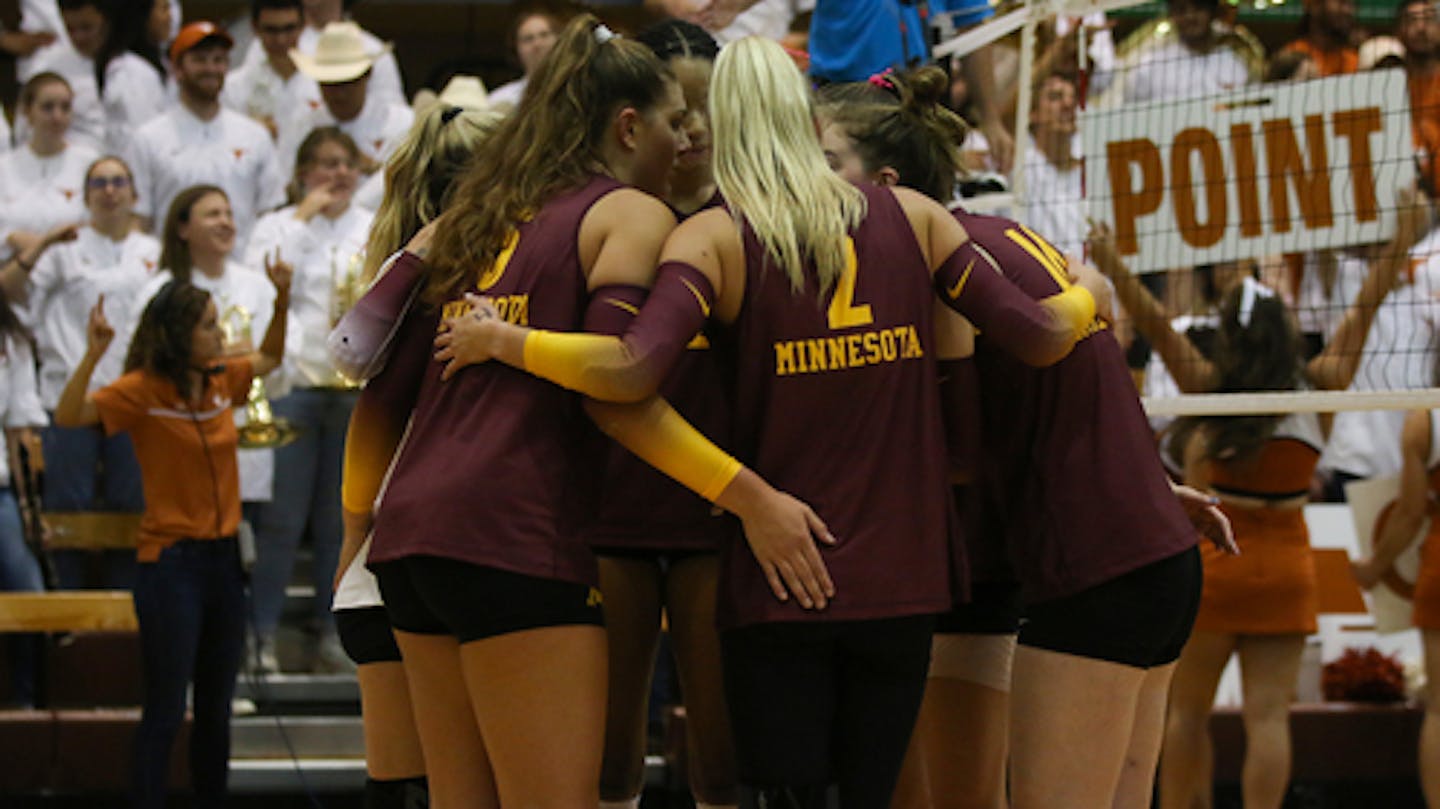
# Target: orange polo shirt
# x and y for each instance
(1328, 63)
(1425, 122)
(187, 456)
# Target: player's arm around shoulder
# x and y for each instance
(710, 242)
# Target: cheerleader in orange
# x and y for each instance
(1419, 486)
(1262, 603)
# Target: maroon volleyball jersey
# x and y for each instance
(490, 472)
(1070, 468)
(641, 508)
(836, 403)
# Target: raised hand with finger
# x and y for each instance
(98, 331)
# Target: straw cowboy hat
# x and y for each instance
(340, 55)
(465, 91)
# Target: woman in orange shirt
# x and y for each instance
(175, 400)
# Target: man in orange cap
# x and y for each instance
(198, 141)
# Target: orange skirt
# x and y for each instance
(1270, 588)
(1427, 583)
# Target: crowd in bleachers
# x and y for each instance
(126, 106)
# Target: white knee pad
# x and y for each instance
(981, 659)
(632, 803)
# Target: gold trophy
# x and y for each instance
(261, 429)
(347, 286)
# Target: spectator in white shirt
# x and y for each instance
(39, 31)
(343, 64)
(1053, 198)
(197, 141)
(20, 571)
(110, 259)
(1192, 59)
(320, 13)
(86, 28)
(532, 35)
(323, 237)
(272, 89)
(42, 181)
(110, 256)
(128, 72)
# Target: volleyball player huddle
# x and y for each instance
(793, 353)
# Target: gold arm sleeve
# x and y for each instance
(597, 365)
(370, 444)
(664, 439)
(1076, 306)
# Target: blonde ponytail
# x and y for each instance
(769, 165)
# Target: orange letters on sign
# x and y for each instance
(1356, 126)
(1242, 143)
(1212, 164)
(1312, 186)
(1132, 203)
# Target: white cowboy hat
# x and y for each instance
(1376, 49)
(340, 55)
(465, 91)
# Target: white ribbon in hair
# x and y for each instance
(1250, 291)
(603, 33)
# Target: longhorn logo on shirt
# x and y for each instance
(379, 143)
(239, 153)
(149, 265)
(69, 193)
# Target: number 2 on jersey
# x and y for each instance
(844, 313)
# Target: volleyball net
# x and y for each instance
(1203, 171)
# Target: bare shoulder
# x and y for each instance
(715, 222)
(633, 207)
(627, 213)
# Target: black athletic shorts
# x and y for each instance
(365, 633)
(429, 595)
(817, 702)
(1142, 618)
(994, 609)
(663, 559)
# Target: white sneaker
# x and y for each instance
(260, 657)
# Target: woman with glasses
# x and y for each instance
(110, 256)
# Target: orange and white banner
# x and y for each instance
(1276, 168)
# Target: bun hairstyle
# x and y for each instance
(550, 143)
(900, 120)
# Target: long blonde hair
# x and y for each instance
(769, 165)
(422, 174)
